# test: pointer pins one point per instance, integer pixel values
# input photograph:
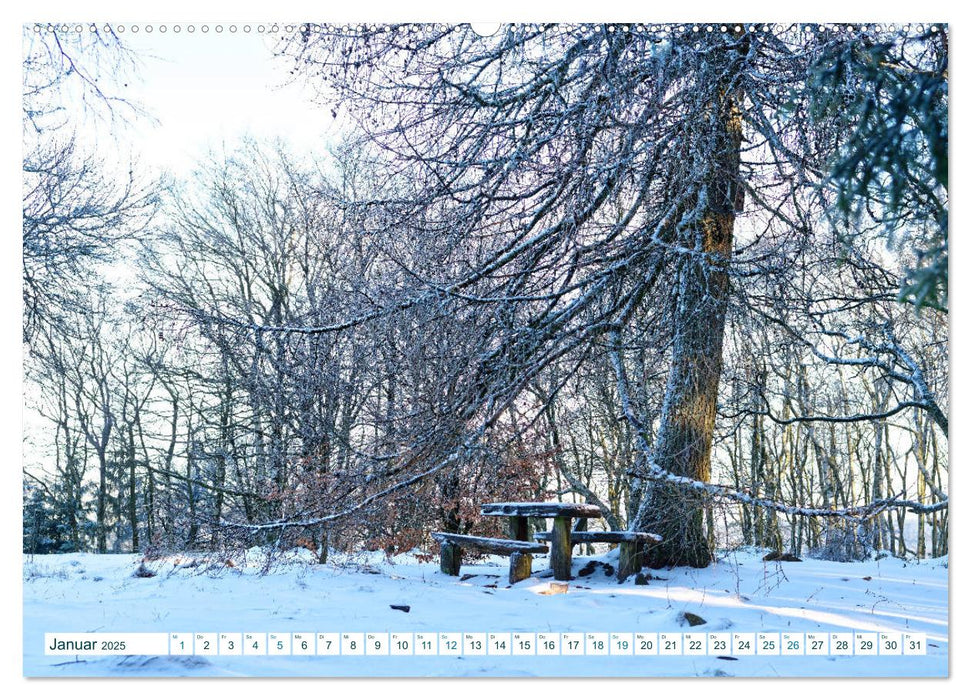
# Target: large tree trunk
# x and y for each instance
(683, 445)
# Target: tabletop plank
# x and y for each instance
(542, 510)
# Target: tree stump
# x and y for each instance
(520, 566)
(451, 559)
(561, 549)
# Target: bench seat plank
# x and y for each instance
(491, 545)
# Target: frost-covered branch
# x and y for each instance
(727, 493)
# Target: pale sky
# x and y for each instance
(209, 89)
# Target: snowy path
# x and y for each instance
(741, 593)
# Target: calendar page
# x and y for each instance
(427, 348)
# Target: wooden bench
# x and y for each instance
(630, 543)
(520, 552)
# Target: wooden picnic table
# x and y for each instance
(561, 553)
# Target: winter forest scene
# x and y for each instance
(485, 350)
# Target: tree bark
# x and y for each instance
(132, 488)
(683, 445)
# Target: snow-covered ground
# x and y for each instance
(741, 593)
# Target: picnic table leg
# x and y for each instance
(561, 549)
(630, 559)
(450, 559)
(520, 563)
(518, 528)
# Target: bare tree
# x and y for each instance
(76, 206)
